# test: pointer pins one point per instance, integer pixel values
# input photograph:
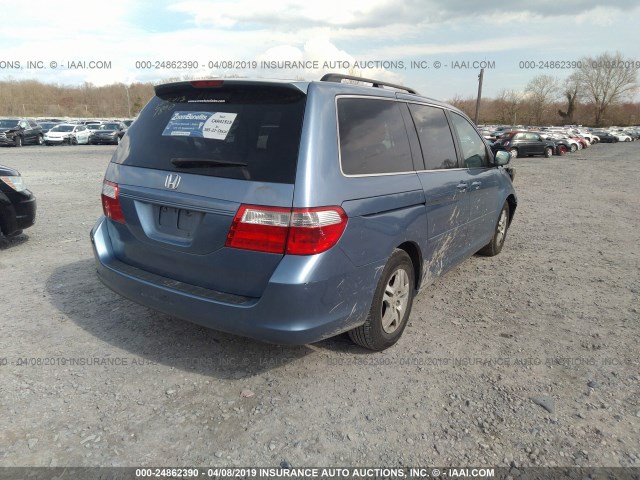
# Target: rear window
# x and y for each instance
(373, 139)
(245, 132)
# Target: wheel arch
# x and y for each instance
(415, 254)
(513, 203)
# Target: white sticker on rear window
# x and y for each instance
(214, 125)
(218, 125)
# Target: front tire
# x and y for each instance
(548, 152)
(574, 147)
(494, 247)
(562, 150)
(17, 141)
(391, 306)
(40, 140)
(514, 153)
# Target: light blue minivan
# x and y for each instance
(291, 212)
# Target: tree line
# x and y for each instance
(31, 98)
(599, 92)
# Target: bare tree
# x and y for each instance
(465, 104)
(571, 94)
(542, 92)
(508, 105)
(605, 80)
(33, 98)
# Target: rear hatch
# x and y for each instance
(196, 153)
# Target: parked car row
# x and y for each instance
(23, 131)
(90, 134)
(523, 141)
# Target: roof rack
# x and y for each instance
(338, 77)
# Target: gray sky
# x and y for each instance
(410, 36)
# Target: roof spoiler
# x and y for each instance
(338, 77)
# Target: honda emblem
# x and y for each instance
(172, 181)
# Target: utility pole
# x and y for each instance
(480, 77)
(128, 100)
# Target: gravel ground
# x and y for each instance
(528, 358)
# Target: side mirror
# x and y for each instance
(502, 157)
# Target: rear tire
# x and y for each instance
(574, 148)
(40, 140)
(548, 152)
(514, 153)
(391, 306)
(562, 150)
(494, 247)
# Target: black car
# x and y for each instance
(606, 137)
(46, 126)
(17, 204)
(634, 134)
(109, 133)
(20, 131)
(524, 144)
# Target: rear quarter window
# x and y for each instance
(260, 144)
(373, 139)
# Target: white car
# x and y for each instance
(590, 137)
(622, 137)
(67, 133)
(575, 145)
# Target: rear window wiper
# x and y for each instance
(204, 163)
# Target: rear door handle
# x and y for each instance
(476, 184)
(462, 186)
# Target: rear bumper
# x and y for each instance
(291, 310)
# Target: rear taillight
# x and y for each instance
(111, 201)
(314, 230)
(298, 231)
(263, 229)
